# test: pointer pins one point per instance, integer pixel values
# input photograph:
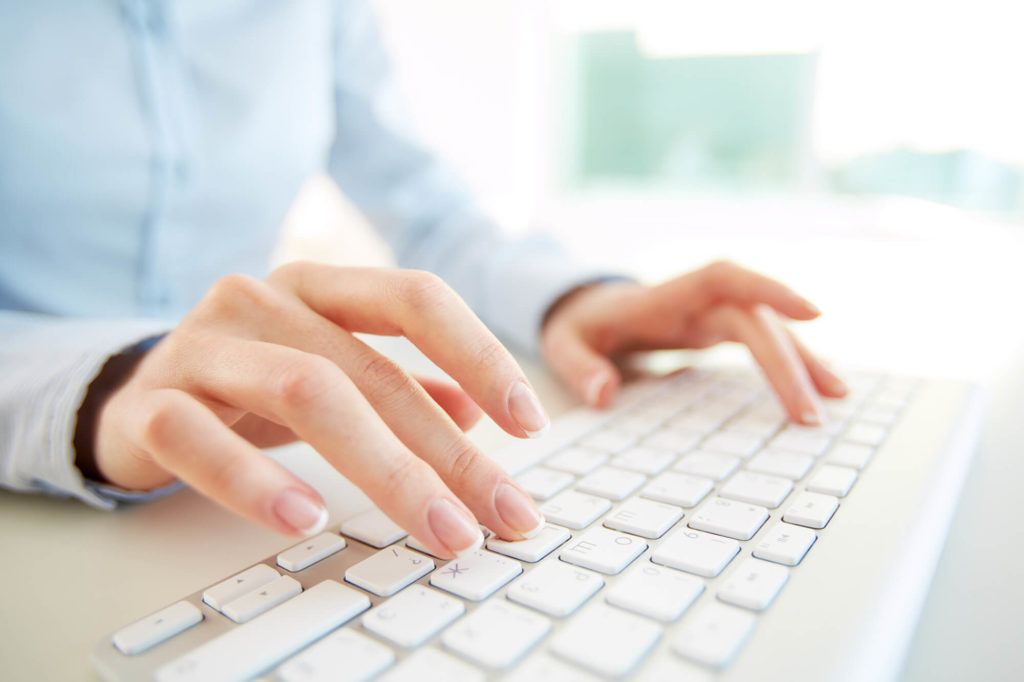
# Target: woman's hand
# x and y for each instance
(720, 302)
(257, 363)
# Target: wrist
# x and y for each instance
(114, 373)
(573, 296)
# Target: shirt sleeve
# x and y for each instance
(419, 206)
(47, 364)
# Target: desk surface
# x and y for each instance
(72, 573)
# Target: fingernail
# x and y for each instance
(594, 388)
(813, 414)
(810, 418)
(459, 533)
(300, 512)
(526, 409)
(518, 510)
(811, 307)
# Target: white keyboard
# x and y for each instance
(693, 534)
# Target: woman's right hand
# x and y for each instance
(264, 362)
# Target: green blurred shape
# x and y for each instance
(962, 178)
(719, 121)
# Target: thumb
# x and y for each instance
(589, 374)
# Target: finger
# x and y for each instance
(762, 332)
(593, 377)
(728, 282)
(404, 406)
(319, 403)
(421, 307)
(825, 380)
(420, 423)
(188, 440)
(453, 400)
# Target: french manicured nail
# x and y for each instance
(811, 418)
(300, 512)
(812, 414)
(526, 409)
(518, 510)
(595, 386)
(459, 533)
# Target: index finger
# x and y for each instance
(724, 280)
(421, 307)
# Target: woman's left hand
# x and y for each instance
(720, 302)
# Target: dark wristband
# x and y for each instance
(117, 369)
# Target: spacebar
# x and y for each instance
(252, 648)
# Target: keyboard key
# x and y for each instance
(497, 634)
(865, 433)
(603, 550)
(675, 440)
(342, 656)
(413, 543)
(714, 635)
(838, 411)
(413, 616)
(543, 483)
(389, 570)
(555, 588)
(612, 483)
(707, 464)
(476, 576)
(704, 420)
(882, 414)
(611, 441)
(757, 425)
(645, 460)
(785, 544)
(892, 396)
(832, 480)
(249, 649)
(736, 444)
(431, 665)
(374, 528)
(646, 518)
(700, 553)
(639, 423)
(855, 455)
(802, 440)
(747, 486)
(754, 584)
(812, 510)
(534, 549)
(545, 668)
(606, 641)
(575, 510)
(250, 605)
(659, 593)
(791, 465)
(737, 520)
(577, 460)
(679, 489)
(673, 669)
(160, 626)
(308, 552)
(235, 586)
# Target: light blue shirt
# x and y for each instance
(148, 147)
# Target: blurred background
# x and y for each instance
(868, 152)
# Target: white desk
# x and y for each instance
(71, 574)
